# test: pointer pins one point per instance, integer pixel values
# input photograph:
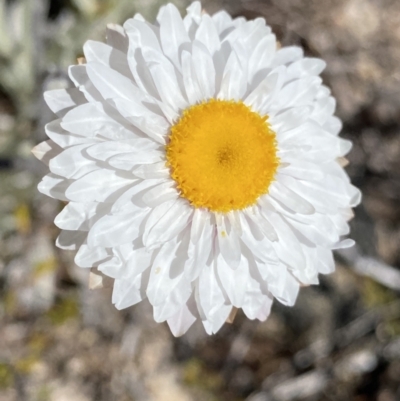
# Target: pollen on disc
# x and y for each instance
(222, 155)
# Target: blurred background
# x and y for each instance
(61, 341)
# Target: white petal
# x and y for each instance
(287, 55)
(255, 300)
(261, 56)
(172, 33)
(93, 119)
(326, 262)
(54, 186)
(290, 118)
(170, 224)
(80, 78)
(300, 92)
(257, 243)
(265, 226)
(46, 150)
(217, 319)
(208, 35)
(263, 94)
(200, 217)
(160, 194)
(168, 87)
(141, 34)
(104, 150)
(72, 162)
(199, 252)
(333, 125)
(192, 88)
(287, 247)
(323, 110)
(75, 216)
(152, 124)
(204, 68)
(234, 281)
(306, 66)
(116, 230)
(127, 161)
(180, 323)
(99, 52)
(71, 240)
(90, 256)
(265, 310)
(150, 171)
(127, 292)
(174, 302)
(132, 197)
(98, 186)
(209, 294)
(303, 170)
(234, 80)
(344, 244)
(222, 21)
(64, 138)
(116, 37)
(60, 101)
(228, 240)
(111, 84)
(129, 262)
(166, 271)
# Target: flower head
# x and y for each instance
(200, 166)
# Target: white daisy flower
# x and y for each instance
(200, 166)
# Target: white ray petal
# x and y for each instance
(60, 101)
(209, 292)
(305, 67)
(228, 240)
(92, 119)
(192, 88)
(234, 281)
(222, 20)
(167, 270)
(127, 293)
(76, 216)
(89, 256)
(80, 78)
(261, 56)
(290, 199)
(98, 186)
(161, 193)
(200, 252)
(257, 242)
(217, 319)
(114, 230)
(116, 37)
(99, 52)
(204, 69)
(113, 85)
(71, 240)
(152, 171)
(175, 219)
(175, 301)
(287, 55)
(54, 186)
(208, 35)
(234, 80)
(180, 323)
(46, 150)
(172, 33)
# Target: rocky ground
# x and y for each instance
(61, 341)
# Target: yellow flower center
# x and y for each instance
(222, 155)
